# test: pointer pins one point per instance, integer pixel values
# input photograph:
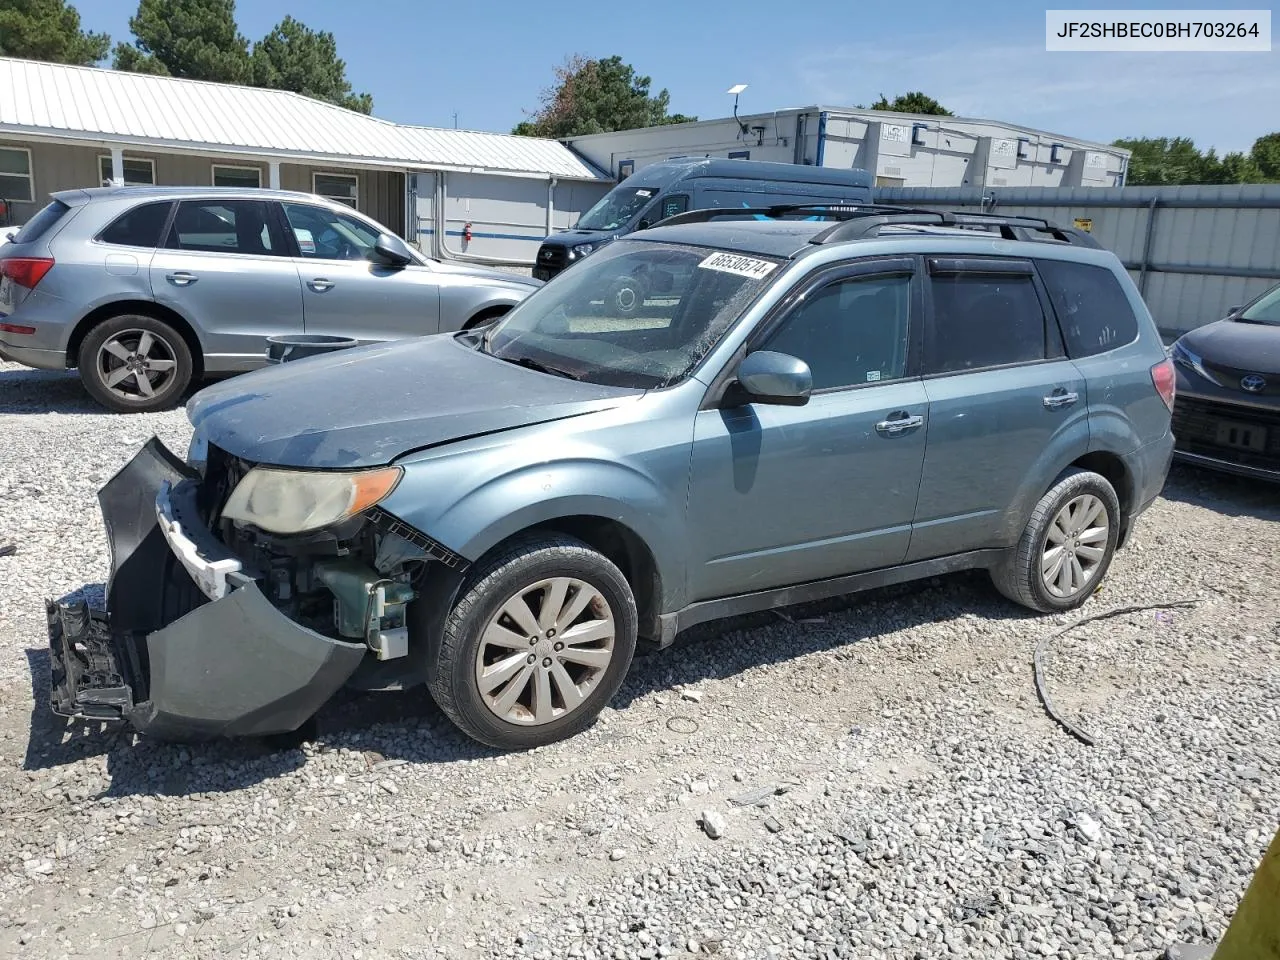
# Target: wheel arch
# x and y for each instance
(144, 308)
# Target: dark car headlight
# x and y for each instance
(1184, 357)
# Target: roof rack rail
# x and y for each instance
(856, 221)
(1010, 227)
(807, 211)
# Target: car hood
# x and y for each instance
(367, 406)
(485, 273)
(1239, 345)
(573, 237)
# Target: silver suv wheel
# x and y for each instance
(1075, 546)
(135, 364)
(545, 650)
(1066, 546)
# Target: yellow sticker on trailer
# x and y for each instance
(1085, 224)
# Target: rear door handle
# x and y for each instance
(1060, 398)
(320, 284)
(898, 425)
(181, 278)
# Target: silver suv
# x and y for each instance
(146, 288)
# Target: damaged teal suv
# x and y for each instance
(811, 401)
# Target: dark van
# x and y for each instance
(665, 189)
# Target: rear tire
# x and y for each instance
(134, 363)
(1066, 547)
(538, 644)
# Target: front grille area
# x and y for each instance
(1230, 378)
(1206, 428)
(551, 260)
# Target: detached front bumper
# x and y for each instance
(164, 656)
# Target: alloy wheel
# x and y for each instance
(1075, 546)
(136, 364)
(545, 650)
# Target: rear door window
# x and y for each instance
(1093, 311)
(139, 227)
(984, 319)
(38, 225)
(225, 226)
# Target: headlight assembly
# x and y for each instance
(582, 249)
(295, 501)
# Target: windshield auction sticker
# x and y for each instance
(742, 266)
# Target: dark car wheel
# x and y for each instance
(539, 642)
(1066, 547)
(133, 363)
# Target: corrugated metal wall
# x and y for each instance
(508, 215)
(1194, 252)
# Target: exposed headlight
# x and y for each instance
(1192, 361)
(294, 501)
(582, 249)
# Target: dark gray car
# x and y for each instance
(1228, 412)
(146, 288)
(801, 410)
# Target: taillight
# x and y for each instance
(25, 271)
(1166, 380)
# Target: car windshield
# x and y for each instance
(1265, 310)
(636, 314)
(616, 208)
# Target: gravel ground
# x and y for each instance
(900, 792)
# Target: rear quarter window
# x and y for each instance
(1093, 311)
(139, 227)
(40, 224)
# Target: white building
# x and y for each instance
(900, 149)
(63, 127)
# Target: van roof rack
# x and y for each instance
(857, 221)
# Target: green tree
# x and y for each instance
(1266, 157)
(196, 39)
(1166, 160)
(597, 96)
(295, 57)
(48, 30)
(912, 102)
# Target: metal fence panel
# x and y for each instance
(1194, 251)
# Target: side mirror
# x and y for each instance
(775, 378)
(390, 252)
(1232, 311)
(643, 224)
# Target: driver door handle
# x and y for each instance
(898, 424)
(1060, 398)
(320, 284)
(181, 278)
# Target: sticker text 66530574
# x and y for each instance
(736, 263)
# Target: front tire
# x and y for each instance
(538, 644)
(1067, 546)
(134, 363)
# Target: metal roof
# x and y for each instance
(56, 100)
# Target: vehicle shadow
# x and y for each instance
(1223, 492)
(24, 391)
(407, 726)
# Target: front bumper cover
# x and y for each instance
(162, 656)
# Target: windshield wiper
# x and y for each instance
(532, 364)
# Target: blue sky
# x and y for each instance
(488, 60)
